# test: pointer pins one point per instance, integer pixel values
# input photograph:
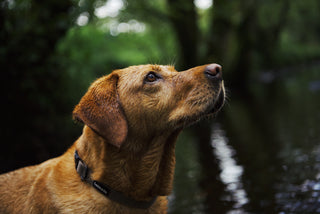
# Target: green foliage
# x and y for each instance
(89, 51)
(299, 41)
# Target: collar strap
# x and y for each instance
(84, 172)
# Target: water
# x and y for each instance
(231, 172)
(261, 155)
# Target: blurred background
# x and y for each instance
(260, 155)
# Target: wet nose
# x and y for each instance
(213, 71)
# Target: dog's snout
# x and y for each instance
(213, 71)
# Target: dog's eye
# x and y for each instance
(151, 77)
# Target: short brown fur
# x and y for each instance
(128, 141)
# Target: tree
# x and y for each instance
(29, 32)
(183, 17)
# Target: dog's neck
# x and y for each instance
(140, 173)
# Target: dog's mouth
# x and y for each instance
(211, 110)
(218, 104)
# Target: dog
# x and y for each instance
(124, 160)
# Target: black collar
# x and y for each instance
(83, 171)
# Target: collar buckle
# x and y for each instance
(81, 167)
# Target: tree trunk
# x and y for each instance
(221, 27)
(183, 16)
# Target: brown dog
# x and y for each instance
(124, 160)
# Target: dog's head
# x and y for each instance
(149, 99)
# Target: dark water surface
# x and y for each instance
(261, 155)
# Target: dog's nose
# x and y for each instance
(213, 71)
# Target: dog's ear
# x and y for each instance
(100, 109)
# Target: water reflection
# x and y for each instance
(230, 172)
